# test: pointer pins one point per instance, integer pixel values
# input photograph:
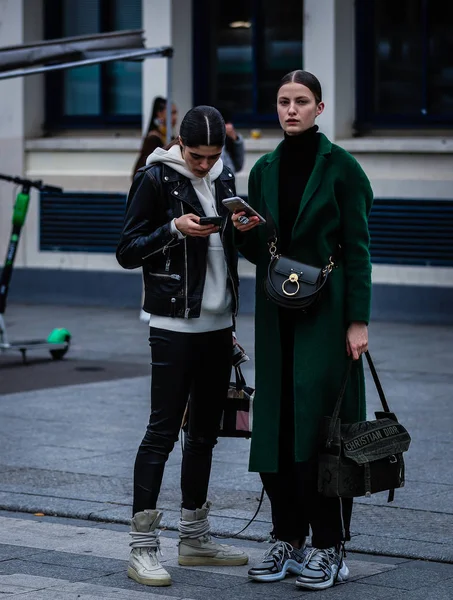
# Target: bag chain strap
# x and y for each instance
(272, 244)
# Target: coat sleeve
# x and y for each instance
(248, 243)
(355, 200)
(140, 237)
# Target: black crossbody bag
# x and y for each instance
(289, 282)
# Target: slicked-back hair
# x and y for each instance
(305, 78)
(202, 126)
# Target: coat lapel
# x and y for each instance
(324, 150)
(270, 179)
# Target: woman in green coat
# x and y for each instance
(319, 199)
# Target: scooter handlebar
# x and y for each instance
(38, 184)
(51, 189)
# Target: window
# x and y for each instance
(404, 69)
(98, 95)
(242, 48)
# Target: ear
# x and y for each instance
(319, 108)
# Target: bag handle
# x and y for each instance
(377, 383)
(240, 379)
(336, 411)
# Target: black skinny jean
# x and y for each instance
(183, 364)
(295, 502)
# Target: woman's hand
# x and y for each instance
(188, 225)
(252, 221)
(356, 339)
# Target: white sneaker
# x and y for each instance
(144, 564)
(196, 547)
(322, 569)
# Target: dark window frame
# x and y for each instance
(202, 65)
(55, 118)
(366, 119)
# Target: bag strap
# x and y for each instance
(337, 409)
(377, 383)
(271, 227)
(272, 243)
(240, 379)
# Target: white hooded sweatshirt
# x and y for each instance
(216, 303)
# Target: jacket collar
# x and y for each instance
(169, 174)
(181, 188)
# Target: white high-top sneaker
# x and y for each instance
(144, 565)
(196, 546)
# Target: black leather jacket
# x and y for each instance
(174, 270)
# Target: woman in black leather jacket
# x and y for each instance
(191, 293)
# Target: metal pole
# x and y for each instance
(146, 53)
(169, 95)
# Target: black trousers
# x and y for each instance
(295, 502)
(183, 364)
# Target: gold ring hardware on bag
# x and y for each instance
(293, 278)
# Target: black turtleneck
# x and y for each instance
(296, 164)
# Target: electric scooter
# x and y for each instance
(58, 340)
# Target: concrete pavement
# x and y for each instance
(67, 559)
(69, 432)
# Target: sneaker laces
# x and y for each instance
(194, 529)
(277, 551)
(148, 540)
(322, 559)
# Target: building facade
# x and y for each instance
(387, 78)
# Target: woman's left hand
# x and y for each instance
(356, 339)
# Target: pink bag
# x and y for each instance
(237, 418)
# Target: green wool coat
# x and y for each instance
(333, 210)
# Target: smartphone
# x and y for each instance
(236, 204)
(211, 221)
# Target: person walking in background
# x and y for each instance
(191, 293)
(233, 151)
(319, 198)
(156, 134)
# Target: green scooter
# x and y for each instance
(58, 340)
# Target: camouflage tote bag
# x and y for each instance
(360, 459)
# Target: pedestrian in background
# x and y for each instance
(191, 293)
(319, 198)
(233, 151)
(156, 134)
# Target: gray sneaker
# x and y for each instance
(279, 561)
(322, 569)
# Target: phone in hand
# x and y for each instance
(236, 204)
(217, 221)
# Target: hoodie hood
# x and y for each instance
(172, 158)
